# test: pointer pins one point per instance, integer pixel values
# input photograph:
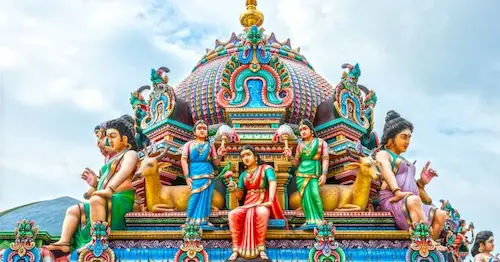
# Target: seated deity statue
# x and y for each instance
(399, 192)
(248, 223)
(113, 195)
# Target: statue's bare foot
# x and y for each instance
(62, 247)
(210, 224)
(263, 255)
(233, 256)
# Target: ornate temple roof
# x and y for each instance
(200, 89)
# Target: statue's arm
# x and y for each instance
(184, 160)
(127, 169)
(241, 187)
(271, 178)
(325, 158)
(386, 171)
(296, 159)
(215, 158)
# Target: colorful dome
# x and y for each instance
(278, 76)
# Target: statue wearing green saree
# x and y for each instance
(312, 159)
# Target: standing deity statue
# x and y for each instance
(198, 160)
(311, 157)
(399, 192)
(248, 223)
(113, 196)
(483, 246)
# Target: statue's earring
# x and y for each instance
(129, 146)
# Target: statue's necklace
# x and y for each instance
(201, 147)
(251, 176)
(307, 147)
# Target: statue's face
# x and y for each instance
(305, 131)
(101, 140)
(201, 131)
(401, 141)
(489, 245)
(248, 157)
(116, 141)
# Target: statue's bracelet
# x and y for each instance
(396, 190)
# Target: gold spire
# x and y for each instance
(251, 16)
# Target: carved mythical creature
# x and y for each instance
(326, 248)
(141, 110)
(23, 248)
(99, 249)
(191, 249)
(422, 247)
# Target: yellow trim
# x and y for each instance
(202, 176)
(306, 175)
(205, 186)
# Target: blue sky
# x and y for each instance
(63, 71)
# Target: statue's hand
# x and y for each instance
(400, 195)
(322, 180)
(221, 151)
(231, 186)
(189, 182)
(266, 204)
(287, 152)
(90, 177)
(105, 193)
(427, 173)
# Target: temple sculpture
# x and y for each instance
(254, 156)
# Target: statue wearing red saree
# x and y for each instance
(248, 223)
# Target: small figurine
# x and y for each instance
(248, 223)
(483, 246)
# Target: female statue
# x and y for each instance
(113, 185)
(399, 192)
(248, 223)
(483, 246)
(312, 158)
(198, 155)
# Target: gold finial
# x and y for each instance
(251, 16)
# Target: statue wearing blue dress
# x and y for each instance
(198, 160)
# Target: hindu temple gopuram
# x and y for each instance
(252, 157)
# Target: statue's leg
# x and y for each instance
(261, 222)
(69, 226)
(415, 209)
(97, 209)
(438, 223)
(236, 219)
